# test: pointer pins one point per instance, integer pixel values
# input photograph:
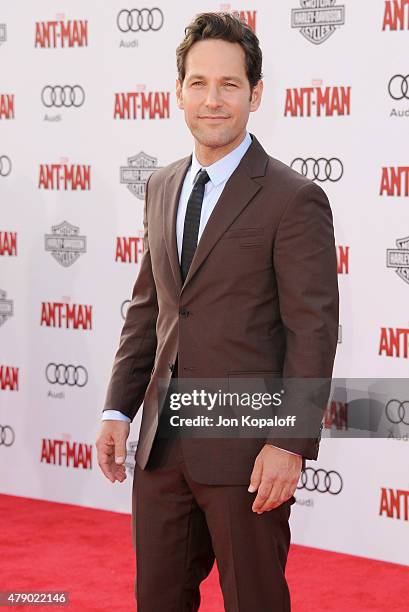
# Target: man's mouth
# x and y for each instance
(215, 117)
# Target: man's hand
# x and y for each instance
(275, 474)
(111, 449)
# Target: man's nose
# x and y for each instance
(213, 97)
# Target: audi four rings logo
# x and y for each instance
(140, 20)
(321, 481)
(61, 374)
(398, 87)
(320, 169)
(124, 308)
(7, 435)
(5, 165)
(62, 96)
(398, 412)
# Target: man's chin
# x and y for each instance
(214, 139)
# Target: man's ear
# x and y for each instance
(256, 94)
(179, 97)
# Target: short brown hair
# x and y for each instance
(222, 26)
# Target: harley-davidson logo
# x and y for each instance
(3, 33)
(6, 307)
(65, 244)
(136, 174)
(399, 258)
(317, 19)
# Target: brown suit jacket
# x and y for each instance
(261, 297)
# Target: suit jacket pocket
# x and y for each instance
(252, 381)
(246, 237)
(254, 373)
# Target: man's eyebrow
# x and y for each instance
(232, 78)
(223, 78)
(195, 76)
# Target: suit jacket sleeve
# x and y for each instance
(306, 273)
(135, 356)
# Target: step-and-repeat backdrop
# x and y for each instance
(87, 112)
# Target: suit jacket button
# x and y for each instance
(171, 366)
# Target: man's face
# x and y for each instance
(215, 94)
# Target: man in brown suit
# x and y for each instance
(238, 279)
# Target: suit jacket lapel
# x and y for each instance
(173, 188)
(237, 193)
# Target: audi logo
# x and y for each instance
(62, 96)
(7, 435)
(397, 411)
(124, 308)
(5, 165)
(320, 169)
(70, 375)
(398, 87)
(321, 481)
(140, 20)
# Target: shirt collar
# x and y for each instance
(223, 168)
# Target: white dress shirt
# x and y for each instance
(219, 173)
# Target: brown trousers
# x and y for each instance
(181, 526)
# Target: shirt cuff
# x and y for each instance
(114, 415)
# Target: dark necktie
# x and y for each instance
(192, 222)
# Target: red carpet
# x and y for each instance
(48, 546)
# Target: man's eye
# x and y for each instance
(230, 84)
(197, 83)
